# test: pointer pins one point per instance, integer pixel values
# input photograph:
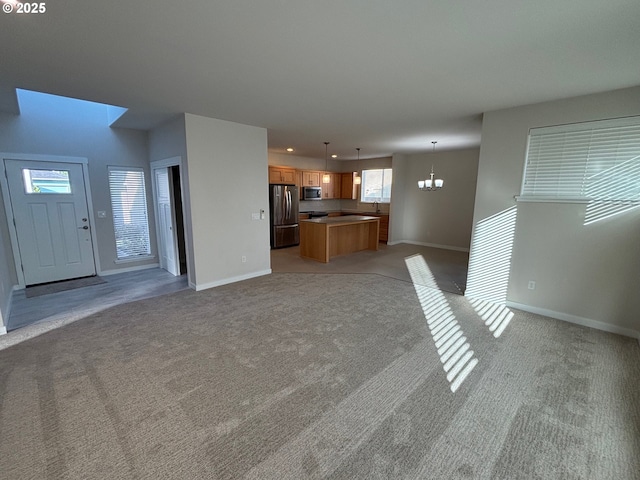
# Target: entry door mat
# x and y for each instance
(55, 287)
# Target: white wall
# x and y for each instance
(228, 181)
(587, 274)
(54, 125)
(167, 141)
(441, 218)
(7, 269)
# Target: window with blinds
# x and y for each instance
(376, 185)
(584, 162)
(129, 206)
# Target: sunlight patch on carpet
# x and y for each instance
(453, 348)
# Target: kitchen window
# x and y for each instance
(376, 185)
(130, 219)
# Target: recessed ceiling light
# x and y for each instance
(334, 156)
(289, 149)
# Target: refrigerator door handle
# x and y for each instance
(288, 204)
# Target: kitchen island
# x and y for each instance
(326, 237)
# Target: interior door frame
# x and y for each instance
(166, 163)
(8, 207)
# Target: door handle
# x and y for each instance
(83, 228)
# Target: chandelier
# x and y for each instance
(431, 183)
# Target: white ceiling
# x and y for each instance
(386, 76)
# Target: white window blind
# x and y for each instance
(376, 185)
(587, 161)
(129, 205)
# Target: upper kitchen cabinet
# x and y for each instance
(310, 178)
(348, 189)
(282, 175)
(332, 189)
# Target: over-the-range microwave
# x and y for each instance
(312, 193)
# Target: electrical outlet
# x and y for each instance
(244, 259)
(531, 285)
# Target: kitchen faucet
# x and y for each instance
(375, 204)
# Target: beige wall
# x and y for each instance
(227, 179)
(442, 218)
(588, 274)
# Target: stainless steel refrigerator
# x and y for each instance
(283, 209)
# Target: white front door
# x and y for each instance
(51, 218)
(166, 234)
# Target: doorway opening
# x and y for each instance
(168, 205)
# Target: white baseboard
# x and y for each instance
(3, 330)
(433, 245)
(585, 322)
(239, 278)
(105, 273)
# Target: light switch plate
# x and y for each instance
(102, 214)
(255, 216)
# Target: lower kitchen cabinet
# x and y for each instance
(384, 228)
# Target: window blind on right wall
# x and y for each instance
(584, 162)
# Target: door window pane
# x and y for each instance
(46, 181)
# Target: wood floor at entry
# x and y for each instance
(48, 203)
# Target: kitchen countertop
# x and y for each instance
(363, 212)
(348, 212)
(340, 220)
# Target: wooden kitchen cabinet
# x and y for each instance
(311, 178)
(282, 175)
(332, 189)
(384, 228)
(299, 184)
(384, 224)
(324, 238)
(348, 190)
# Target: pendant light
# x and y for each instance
(357, 180)
(430, 183)
(326, 178)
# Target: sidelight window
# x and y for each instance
(130, 219)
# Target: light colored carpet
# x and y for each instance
(55, 287)
(293, 376)
(448, 267)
